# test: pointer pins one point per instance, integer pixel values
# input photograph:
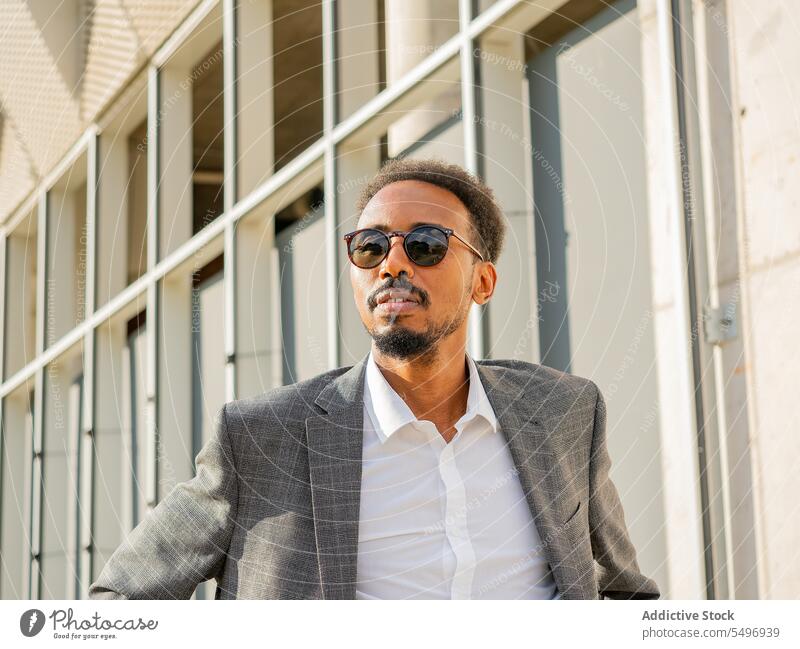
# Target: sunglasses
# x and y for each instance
(425, 245)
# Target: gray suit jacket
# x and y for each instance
(273, 510)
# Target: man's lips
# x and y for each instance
(396, 301)
(396, 307)
(396, 294)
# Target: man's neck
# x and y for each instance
(436, 392)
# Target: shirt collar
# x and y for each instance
(389, 412)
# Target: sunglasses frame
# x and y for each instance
(448, 232)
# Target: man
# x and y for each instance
(416, 473)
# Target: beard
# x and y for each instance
(403, 343)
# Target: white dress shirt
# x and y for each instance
(443, 520)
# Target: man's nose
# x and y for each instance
(396, 260)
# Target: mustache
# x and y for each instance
(402, 284)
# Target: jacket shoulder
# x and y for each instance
(557, 381)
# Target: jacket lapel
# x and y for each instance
(335, 444)
(529, 418)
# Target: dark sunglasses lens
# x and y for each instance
(368, 248)
(426, 246)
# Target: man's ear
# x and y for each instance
(487, 281)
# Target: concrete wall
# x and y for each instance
(765, 92)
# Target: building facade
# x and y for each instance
(176, 177)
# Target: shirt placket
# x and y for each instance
(456, 522)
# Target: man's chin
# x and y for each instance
(394, 329)
(401, 342)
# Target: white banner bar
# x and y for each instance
(400, 624)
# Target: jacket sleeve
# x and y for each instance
(616, 568)
(184, 541)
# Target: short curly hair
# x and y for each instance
(489, 228)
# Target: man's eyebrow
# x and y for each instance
(385, 228)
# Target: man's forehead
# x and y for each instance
(409, 204)
(393, 222)
(386, 226)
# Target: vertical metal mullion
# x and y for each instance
(4, 292)
(230, 188)
(708, 369)
(719, 397)
(151, 331)
(85, 447)
(91, 221)
(129, 482)
(2, 462)
(691, 279)
(467, 87)
(87, 512)
(3, 553)
(37, 433)
(36, 487)
(41, 272)
(27, 553)
(477, 342)
(329, 114)
(152, 433)
(684, 370)
(73, 504)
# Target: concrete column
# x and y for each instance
(255, 122)
(357, 54)
(356, 161)
(681, 499)
(356, 167)
(112, 213)
(503, 134)
(414, 28)
(258, 346)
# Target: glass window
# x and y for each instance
(259, 351)
(20, 296)
(66, 253)
(190, 133)
(208, 351)
(16, 466)
(121, 475)
(208, 365)
(304, 320)
(207, 138)
(279, 86)
(122, 193)
(63, 381)
(134, 366)
(297, 68)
